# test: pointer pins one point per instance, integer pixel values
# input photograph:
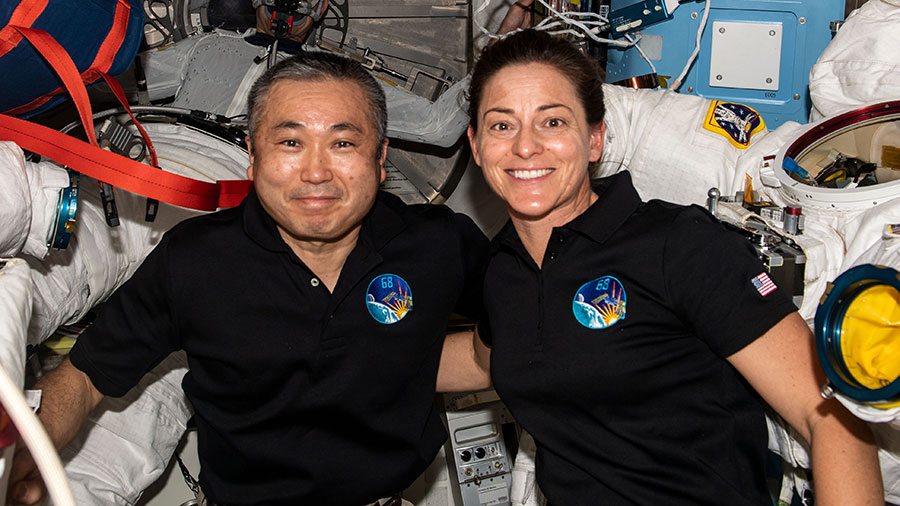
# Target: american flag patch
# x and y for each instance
(763, 284)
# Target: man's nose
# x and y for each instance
(526, 143)
(316, 167)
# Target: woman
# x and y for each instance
(629, 338)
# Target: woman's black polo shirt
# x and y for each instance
(300, 396)
(613, 354)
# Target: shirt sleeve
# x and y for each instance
(133, 331)
(473, 246)
(717, 285)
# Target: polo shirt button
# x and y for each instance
(560, 238)
(314, 281)
(552, 255)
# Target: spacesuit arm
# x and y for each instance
(465, 363)
(67, 397)
(781, 366)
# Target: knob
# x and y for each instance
(479, 453)
(712, 202)
(465, 455)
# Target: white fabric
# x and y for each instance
(28, 199)
(16, 293)
(524, 490)
(414, 118)
(659, 137)
(15, 310)
(861, 65)
(127, 442)
(164, 68)
(217, 54)
(192, 69)
(15, 200)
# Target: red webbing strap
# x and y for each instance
(120, 171)
(103, 60)
(25, 15)
(233, 191)
(113, 41)
(59, 59)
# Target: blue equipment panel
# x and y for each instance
(636, 16)
(805, 29)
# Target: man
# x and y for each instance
(313, 315)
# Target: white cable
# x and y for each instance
(477, 24)
(674, 85)
(37, 441)
(634, 42)
(586, 27)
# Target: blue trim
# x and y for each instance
(66, 207)
(828, 321)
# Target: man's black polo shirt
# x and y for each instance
(300, 396)
(613, 354)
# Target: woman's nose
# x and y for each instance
(527, 144)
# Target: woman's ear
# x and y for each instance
(598, 135)
(473, 143)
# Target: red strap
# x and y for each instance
(113, 41)
(120, 171)
(61, 62)
(103, 60)
(103, 165)
(25, 15)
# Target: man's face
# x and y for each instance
(313, 160)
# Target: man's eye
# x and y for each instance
(291, 143)
(343, 144)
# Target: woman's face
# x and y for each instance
(534, 143)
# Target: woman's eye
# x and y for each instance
(555, 122)
(500, 126)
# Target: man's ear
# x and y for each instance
(598, 135)
(249, 152)
(381, 161)
(474, 145)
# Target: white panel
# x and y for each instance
(745, 55)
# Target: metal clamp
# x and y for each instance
(62, 227)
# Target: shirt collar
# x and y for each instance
(381, 224)
(617, 201)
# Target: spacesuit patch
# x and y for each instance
(599, 303)
(737, 123)
(388, 298)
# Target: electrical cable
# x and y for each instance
(162, 109)
(585, 29)
(36, 439)
(674, 85)
(640, 51)
(566, 17)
